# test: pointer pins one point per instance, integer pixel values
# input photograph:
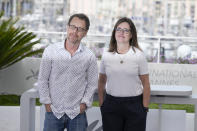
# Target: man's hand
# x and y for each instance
(82, 108)
(48, 107)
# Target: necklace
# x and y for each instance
(122, 58)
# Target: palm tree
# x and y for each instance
(15, 43)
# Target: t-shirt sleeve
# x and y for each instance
(143, 64)
(102, 66)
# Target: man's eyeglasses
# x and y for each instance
(125, 30)
(79, 29)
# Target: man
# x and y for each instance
(68, 79)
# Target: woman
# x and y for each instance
(124, 68)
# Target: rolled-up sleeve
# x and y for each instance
(43, 78)
(92, 82)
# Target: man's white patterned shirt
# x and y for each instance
(65, 81)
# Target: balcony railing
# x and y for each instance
(156, 48)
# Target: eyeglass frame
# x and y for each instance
(79, 29)
(124, 30)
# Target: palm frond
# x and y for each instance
(15, 43)
(20, 58)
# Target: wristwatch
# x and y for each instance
(146, 109)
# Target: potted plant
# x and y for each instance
(15, 43)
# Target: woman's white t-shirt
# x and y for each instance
(123, 78)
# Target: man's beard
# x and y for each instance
(73, 40)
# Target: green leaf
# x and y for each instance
(15, 43)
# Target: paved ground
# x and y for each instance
(10, 119)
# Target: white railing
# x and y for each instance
(154, 42)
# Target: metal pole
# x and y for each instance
(159, 50)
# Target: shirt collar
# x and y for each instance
(80, 48)
(131, 49)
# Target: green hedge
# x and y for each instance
(188, 107)
(14, 100)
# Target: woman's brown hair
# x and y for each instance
(133, 41)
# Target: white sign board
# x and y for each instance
(21, 76)
(173, 74)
